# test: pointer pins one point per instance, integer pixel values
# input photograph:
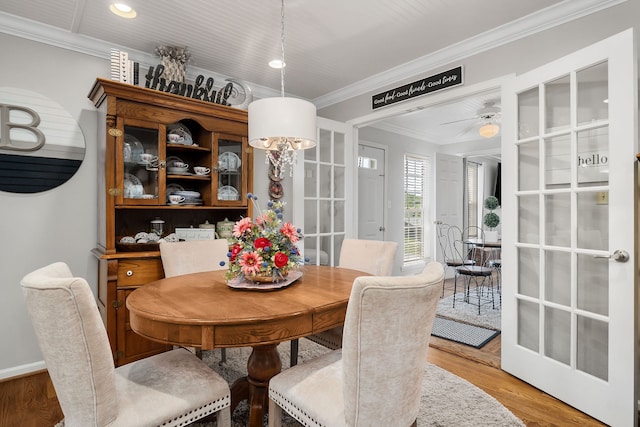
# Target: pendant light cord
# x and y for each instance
(282, 47)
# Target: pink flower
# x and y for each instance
(241, 227)
(290, 231)
(262, 219)
(250, 263)
(280, 259)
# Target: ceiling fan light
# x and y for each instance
(489, 130)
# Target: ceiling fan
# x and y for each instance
(487, 118)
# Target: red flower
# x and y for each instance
(235, 251)
(261, 243)
(280, 259)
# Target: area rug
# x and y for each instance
(463, 333)
(447, 400)
(468, 313)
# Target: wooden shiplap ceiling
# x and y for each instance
(334, 49)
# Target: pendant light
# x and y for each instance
(282, 125)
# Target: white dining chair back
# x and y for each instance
(374, 257)
(167, 389)
(376, 378)
(194, 256)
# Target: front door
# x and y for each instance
(371, 187)
(569, 259)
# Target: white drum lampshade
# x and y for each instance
(283, 123)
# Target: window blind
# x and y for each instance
(416, 173)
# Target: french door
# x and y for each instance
(569, 234)
(323, 199)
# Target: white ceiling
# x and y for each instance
(334, 49)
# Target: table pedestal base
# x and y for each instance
(264, 362)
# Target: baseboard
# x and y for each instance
(17, 371)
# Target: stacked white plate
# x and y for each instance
(190, 197)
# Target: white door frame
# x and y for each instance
(419, 103)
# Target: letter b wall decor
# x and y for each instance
(41, 145)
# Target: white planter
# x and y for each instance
(491, 235)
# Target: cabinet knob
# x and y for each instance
(129, 273)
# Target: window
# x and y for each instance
(416, 200)
(474, 172)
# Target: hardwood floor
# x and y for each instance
(30, 401)
(481, 367)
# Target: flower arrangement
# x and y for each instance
(263, 250)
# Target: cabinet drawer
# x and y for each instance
(134, 272)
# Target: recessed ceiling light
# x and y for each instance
(123, 10)
(277, 64)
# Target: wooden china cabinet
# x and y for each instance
(144, 137)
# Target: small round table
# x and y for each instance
(201, 310)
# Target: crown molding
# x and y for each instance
(550, 17)
(545, 19)
(46, 34)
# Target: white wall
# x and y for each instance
(59, 224)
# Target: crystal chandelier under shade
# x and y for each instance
(282, 123)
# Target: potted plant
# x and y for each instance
(491, 219)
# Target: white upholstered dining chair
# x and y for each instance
(375, 257)
(195, 256)
(376, 378)
(173, 388)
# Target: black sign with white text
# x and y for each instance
(430, 84)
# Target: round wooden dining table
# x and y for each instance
(201, 310)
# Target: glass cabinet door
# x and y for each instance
(140, 161)
(230, 170)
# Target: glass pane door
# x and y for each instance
(140, 165)
(564, 220)
(230, 170)
(569, 240)
(325, 188)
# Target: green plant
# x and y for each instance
(491, 219)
